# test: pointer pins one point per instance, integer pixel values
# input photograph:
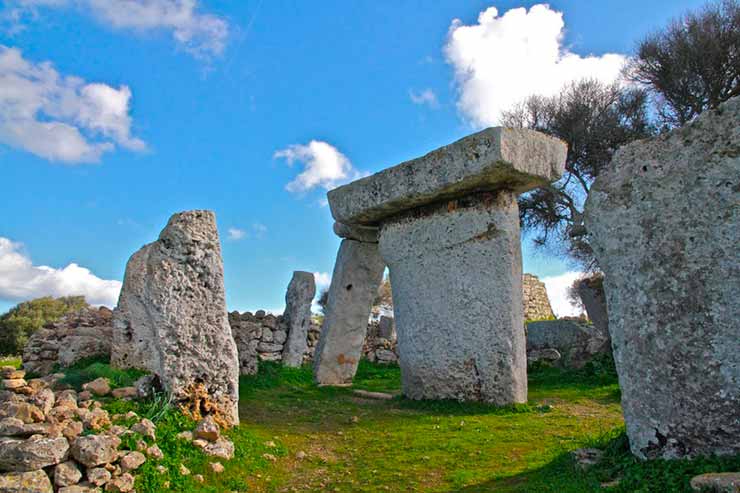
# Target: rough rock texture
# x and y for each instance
(456, 275)
(490, 160)
(591, 292)
(354, 284)
(75, 336)
(535, 299)
(32, 454)
(727, 482)
(577, 342)
(25, 482)
(301, 290)
(171, 317)
(359, 233)
(665, 226)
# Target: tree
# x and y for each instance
(594, 119)
(17, 325)
(693, 64)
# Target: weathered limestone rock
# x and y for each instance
(726, 482)
(536, 302)
(665, 226)
(387, 328)
(357, 275)
(76, 336)
(301, 290)
(95, 450)
(591, 292)
(456, 276)
(576, 342)
(490, 160)
(365, 234)
(171, 317)
(32, 454)
(449, 233)
(25, 482)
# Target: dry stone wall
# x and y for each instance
(536, 302)
(75, 336)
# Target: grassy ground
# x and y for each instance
(354, 444)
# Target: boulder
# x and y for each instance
(25, 482)
(575, 341)
(301, 291)
(726, 482)
(665, 228)
(32, 454)
(67, 474)
(95, 450)
(171, 317)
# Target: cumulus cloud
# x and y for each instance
(424, 97)
(323, 166)
(557, 290)
(323, 280)
(201, 34)
(21, 280)
(61, 118)
(236, 234)
(502, 60)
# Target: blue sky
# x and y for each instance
(188, 111)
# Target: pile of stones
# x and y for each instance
(381, 341)
(54, 439)
(62, 343)
(534, 296)
(567, 342)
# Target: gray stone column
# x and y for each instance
(298, 298)
(357, 275)
(456, 271)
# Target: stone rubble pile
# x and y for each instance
(381, 341)
(569, 343)
(57, 440)
(76, 336)
(536, 302)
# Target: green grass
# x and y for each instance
(355, 444)
(89, 369)
(14, 361)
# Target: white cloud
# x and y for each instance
(323, 280)
(60, 118)
(557, 290)
(425, 96)
(323, 166)
(259, 230)
(236, 234)
(21, 280)
(202, 35)
(502, 60)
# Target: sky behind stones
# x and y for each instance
(114, 114)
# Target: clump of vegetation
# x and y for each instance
(89, 369)
(17, 325)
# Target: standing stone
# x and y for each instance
(456, 273)
(449, 233)
(591, 292)
(387, 328)
(171, 317)
(665, 226)
(357, 274)
(301, 290)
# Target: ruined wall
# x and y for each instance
(536, 303)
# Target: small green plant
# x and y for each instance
(91, 368)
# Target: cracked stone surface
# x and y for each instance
(665, 226)
(456, 271)
(354, 284)
(171, 317)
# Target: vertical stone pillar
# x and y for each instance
(664, 220)
(456, 271)
(357, 275)
(298, 298)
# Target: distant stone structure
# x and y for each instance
(448, 226)
(665, 225)
(76, 336)
(301, 291)
(575, 341)
(171, 317)
(535, 300)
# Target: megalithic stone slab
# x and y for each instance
(665, 225)
(357, 275)
(456, 272)
(298, 298)
(171, 317)
(493, 159)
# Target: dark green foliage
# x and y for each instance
(594, 119)
(91, 368)
(17, 325)
(693, 64)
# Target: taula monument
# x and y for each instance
(447, 227)
(171, 318)
(665, 226)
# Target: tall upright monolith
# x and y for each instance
(298, 298)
